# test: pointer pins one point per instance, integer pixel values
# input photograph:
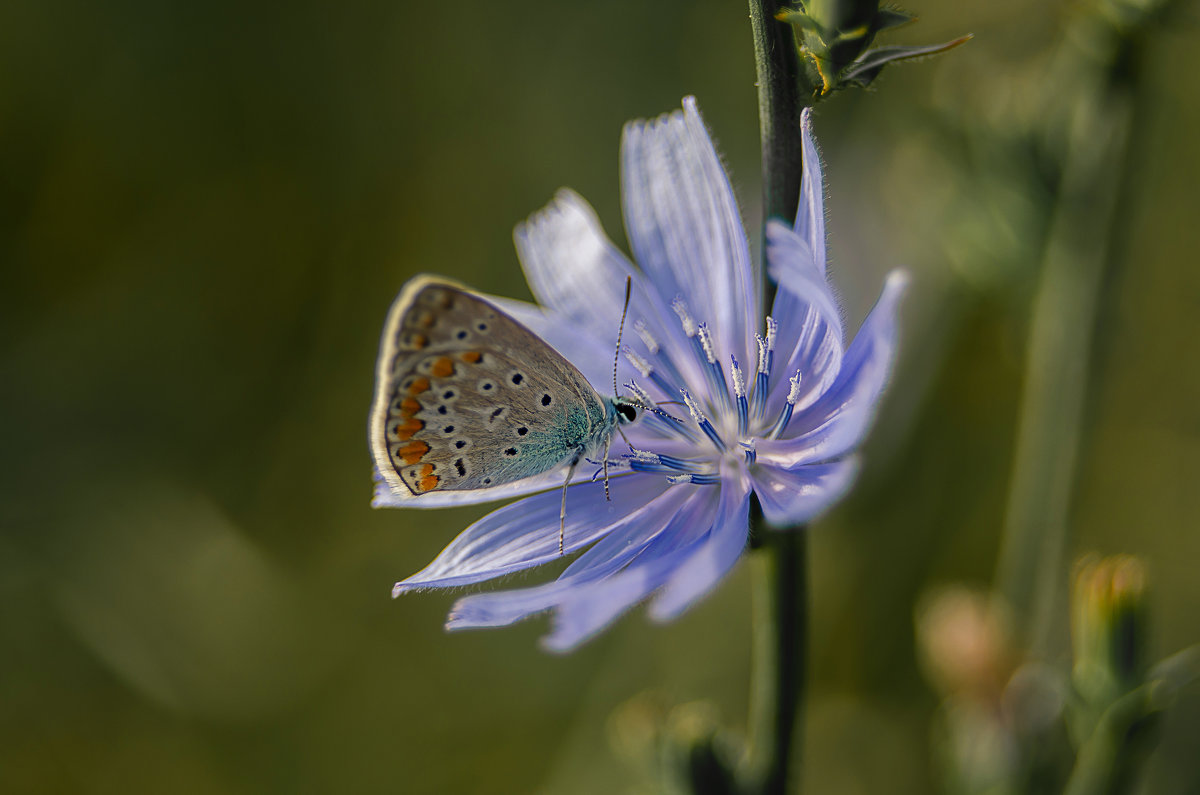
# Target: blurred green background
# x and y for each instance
(205, 211)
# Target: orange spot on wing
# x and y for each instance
(406, 429)
(425, 470)
(419, 341)
(426, 320)
(472, 357)
(442, 367)
(427, 483)
(409, 406)
(414, 452)
(418, 385)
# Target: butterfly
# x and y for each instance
(467, 398)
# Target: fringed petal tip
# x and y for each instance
(897, 281)
(463, 616)
(565, 202)
(806, 120)
(684, 226)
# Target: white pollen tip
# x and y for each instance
(739, 380)
(647, 338)
(707, 344)
(772, 332)
(685, 318)
(640, 364)
(692, 408)
(794, 392)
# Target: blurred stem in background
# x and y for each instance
(1086, 129)
(1018, 722)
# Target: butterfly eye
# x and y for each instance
(627, 412)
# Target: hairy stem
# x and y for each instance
(779, 562)
(780, 633)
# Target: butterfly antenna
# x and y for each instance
(621, 330)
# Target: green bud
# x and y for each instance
(1108, 627)
(832, 38)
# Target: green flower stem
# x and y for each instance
(779, 562)
(1092, 134)
(779, 569)
(779, 108)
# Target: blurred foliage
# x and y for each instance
(205, 211)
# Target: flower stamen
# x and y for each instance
(739, 395)
(681, 308)
(646, 461)
(788, 407)
(639, 364)
(716, 376)
(751, 454)
(647, 338)
(697, 479)
(647, 371)
(701, 420)
(766, 359)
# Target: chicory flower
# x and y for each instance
(772, 406)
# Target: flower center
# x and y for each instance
(724, 418)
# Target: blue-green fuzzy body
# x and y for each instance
(573, 433)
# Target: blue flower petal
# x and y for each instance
(839, 419)
(700, 573)
(684, 226)
(579, 276)
(810, 322)
(795, 496)
(625, 540)
(525, 533)
(589, 609)
(810, 217)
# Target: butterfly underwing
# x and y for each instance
(467, 398)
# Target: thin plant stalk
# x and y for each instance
(1095, 133)
(779, 562)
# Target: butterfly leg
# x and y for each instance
(607, 447)
(562, 511)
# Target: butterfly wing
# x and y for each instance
(466, 398)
